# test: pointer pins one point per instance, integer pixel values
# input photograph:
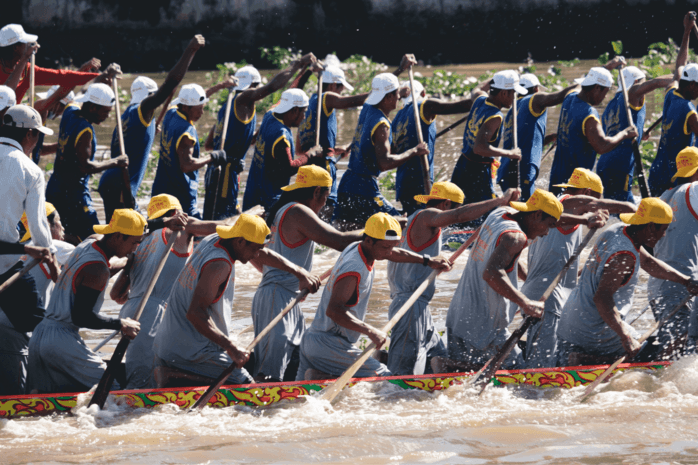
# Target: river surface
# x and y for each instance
(637, 418)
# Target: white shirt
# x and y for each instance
(22, 188)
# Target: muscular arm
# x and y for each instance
(433, 107)
(682, 57)
(541, 100)
(510, 246)
(247, 98)
(599, 141)
(580, 204)
(120, 289)
(83, 150)
(312, 227)
(270, 258)
(386, 160)
(339, 102)
(185, 153)
(344, 295)
(89, 283)
(660, 270)
(441, 219)
(485, 134)
(636, 93)
(284, 161)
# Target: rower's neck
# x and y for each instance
(633, 234)
(367, 254)
(494, 101)
(584, 97)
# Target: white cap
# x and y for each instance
(596, 75)
(335, 75)
(7, 97)
(630, 75)
(247, 75)
(291, 98)
(382, 85)
(23, 116)
(418, 89)
(191, 95)
(332, 60)
(99, 94)
(529, 80)
(507, 80)
(13, 33)
(141, 88)
(65, 100)
(690, 72)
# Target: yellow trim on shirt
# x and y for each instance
(421, 114)
(376, 127)
(224, 190)
(140, 117)
(184, 117)
(188, 136)
(273, 147)
(497, 131)
(584, 123)
(642, 104)
(72, 104)
(324, 106)
(80, 135)
(530, 107)
(491, 104)
(235, 112)
(685, 123)
(573, 91)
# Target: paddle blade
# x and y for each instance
(105, 383)
(333, 390)
(206, 396)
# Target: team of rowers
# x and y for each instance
(183, 336)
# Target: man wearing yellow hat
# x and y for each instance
(327, 348)
(414, 341)
(193, 339)
(591, 326)
(59, 360)
(482, 306)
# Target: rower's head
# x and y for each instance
(7, 99)
(291, 107)
(58, 107)
(142, 88)
(54, 222)
(311, 188)
(381, 234)
(530, 82)
(333, 80)
(632, 75)
(650, 222)
(13, 43)
(406, 89)
(595, 85)
(190, 101)
(443, 196)
(163, 205)
(97, 103)
(688, 84)
(539, 214)
(248, 78)
(504, 86)
(583, 182)
(244, 238)
(22, 124)
(123, 234)
(383, 94)
(686, 166)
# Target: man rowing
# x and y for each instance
(51, 105)
(7, 100)
(414, 341)
(193, 340)
(591, 329)
(327, 348)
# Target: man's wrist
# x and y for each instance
(426, 259)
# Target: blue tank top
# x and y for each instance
(264, 186)
(36, 153)
(614, 120)
(139, 135)
(481, 112)
(67, 180)
(361, 178)
(573, 148)
(169, 177)
(409, 180)
(239, 134)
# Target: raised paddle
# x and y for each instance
(31, 81)
(424, 159)
(552, 146)
(218, 172)
(643, 338)
(453, 126)
(641, 181)
(497, 361)
(655, 124)
(515, 167)
(335, 388)
(164, 109)
(203, 400)
(11, 280)
(126, 197)
(102, 391)
(319, 109)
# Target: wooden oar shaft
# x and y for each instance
(32, 94)
(219, 172)
(424, 159)
(164, 108)
(318, 115)
(552, 146)
(642, 182)
(126, 193)
(515, 138)
(12, 279)
(451, 127)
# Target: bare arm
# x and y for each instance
(83, 151)
(312, 227)
(305, 280)
(185, 153)
(599, 141)
(15, 76)
(682, 58)
(339, 102)
(487, 133)
(540, 101)
(467, 212)
(636, 92)
(660, 270)
(120, 289)
(388, 161)
(580, 204)
(398, 255)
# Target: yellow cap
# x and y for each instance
(444, 191)
(583, 178)
(27, 235)
(124, 221)
(686, 163)
(310, 176)
(650, 210)
(541, 200)
(249, 227)
(384, 227)
(161, 204)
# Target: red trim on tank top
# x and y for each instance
(569, 231)
(507, 216)
(281, 236)
(358, 281)
(428, 243)
(98, 249)
(226, 279)
(508, 270)
(363, 257)
(625, 231)
(623, 252)
(72, 284)
(218, 244)
(43, 268)
(177, 254)
(688, 202)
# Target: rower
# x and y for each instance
(548, 255)
(68, 188)
(51, 105)
(178, 167)
(296, 228)
(241, 126)
(580, 135)
(414, 341)
(7, 100)
(482, 306)
(59, 360)
(679, 118)
(532, 115)
(327, 348)
(139, 129)
(616, 167)
(275, 159)
(193, 340)
(591, 329)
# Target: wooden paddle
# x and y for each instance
(319, 109)
(424, 159)
(515, 167)
(497, 361)
(126, 197)
(206, 396)
(218, 173)
(11, 280)
(453, 126)
(31, 81)
(164, 108)
(641, 181)
(643, 338)
(105, 383)
(552, 146)
(334, 389)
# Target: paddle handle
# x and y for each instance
(164, 108)
(451, 127)
(226, 118)
(515, 137)
(641, 180)
(552, 146)
(31, 80)
(424, 159)
(105, 340)
(319, 109)
(27, 267)
(219, 173)
(126, 193)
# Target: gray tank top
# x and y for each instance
(478, 314)
(350, 263)
(41, 274)
(176, 337)
(63, 297)
(300, 254)
(580, 322)
(404, 278)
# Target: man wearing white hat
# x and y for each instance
(7, 99)
(580, 135)
(68, 188)
(139, 129)
(242, 123)
(50, 105)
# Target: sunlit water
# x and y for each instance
(637, 418)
